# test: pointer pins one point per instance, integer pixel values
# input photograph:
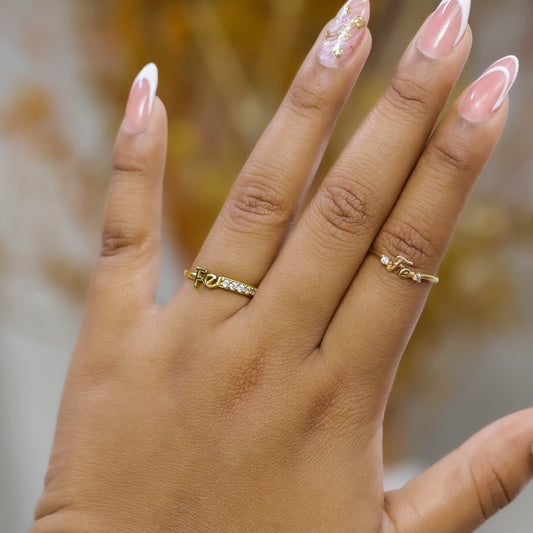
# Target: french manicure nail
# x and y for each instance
(445, 28)
(141, 100)
(344, 34)
(488, 93)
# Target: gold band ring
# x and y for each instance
(401, 265)
(213, 281)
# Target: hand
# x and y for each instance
(220, 412)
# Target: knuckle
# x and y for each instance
(334, 405)
(96, 374)
(118, 239)
(256, 202)
(325, 410)
(345, 209)
(451, 155)
(244, 380)
(308, 101)
(130, 165)
(492, 492)
(408, 95)
(390, 523)
(409, 240)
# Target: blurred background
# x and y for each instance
(224, 65)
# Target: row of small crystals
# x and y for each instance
(345, 33)
(234, 286)
(416, 276)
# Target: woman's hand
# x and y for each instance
(220, 412)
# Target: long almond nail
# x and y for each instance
(488, 93)
(344, 34)
(141, 100)
(445, 28)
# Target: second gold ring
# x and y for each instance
(402, 266)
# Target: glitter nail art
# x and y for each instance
(344, 33)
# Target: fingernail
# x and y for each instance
(445, 28)
(344, 34)
(141, 100)
(488, 93)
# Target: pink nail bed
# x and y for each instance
(488, 93)
(141, 100)
(344, 34)
(445, 28)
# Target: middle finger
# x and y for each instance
(331, 240)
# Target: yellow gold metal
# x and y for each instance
(359, 22)
(401, 265)
(202, 276)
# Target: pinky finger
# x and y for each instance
(469, 485)
(127, 270)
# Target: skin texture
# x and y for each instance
(221, 413)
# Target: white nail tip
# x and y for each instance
(516, 68)
(150, 74)
(465, 14)
(510, 77)
(465, 11)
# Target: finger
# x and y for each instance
(334, 234)
(127, 270)
(419, 229)
(469, 485)
(267, 194)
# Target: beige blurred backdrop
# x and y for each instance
(224, 65)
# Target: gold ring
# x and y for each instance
(401, 264)
(213, 281)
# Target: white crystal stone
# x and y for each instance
(385, 260)
(247, 290)
(225, 284)
(417, 277)
(240, 288)
(233, 286)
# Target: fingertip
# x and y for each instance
(472, 483)
(444, 29)
(467, 38)
(141, 100)
(147, 146)
(159, 119)
(344, 34)
(486, 96)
